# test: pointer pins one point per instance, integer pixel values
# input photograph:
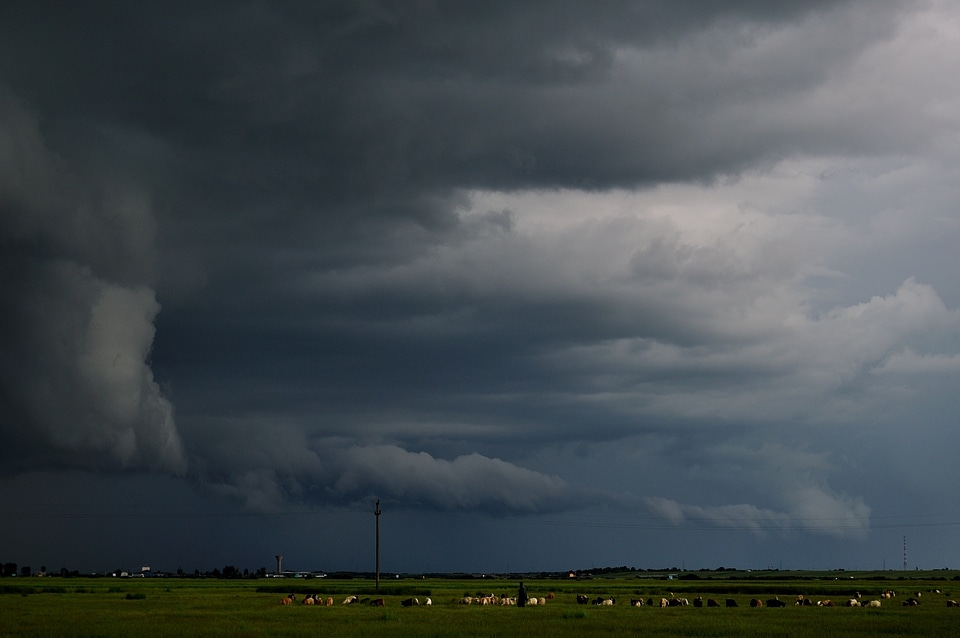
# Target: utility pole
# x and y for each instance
(376, 513)
(904, 553)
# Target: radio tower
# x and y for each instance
(904, 553)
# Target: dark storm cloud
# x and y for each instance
(77, 317)
(382, 103)
(473, 256)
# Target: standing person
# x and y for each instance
(522, 596)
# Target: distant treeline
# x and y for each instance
(11, 569)
(8, 570)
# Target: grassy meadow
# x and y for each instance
(109, 607)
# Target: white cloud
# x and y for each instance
(814, 511)
(86, 384)
(909, 362)
(791, 481)
(468, 482)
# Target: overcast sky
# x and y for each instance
(563, 285)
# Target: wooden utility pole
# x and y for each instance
(376, 512)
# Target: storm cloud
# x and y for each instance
(77, 320)
(683, 268)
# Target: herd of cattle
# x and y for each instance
(315, 599)
(774, 602)
(582, 599)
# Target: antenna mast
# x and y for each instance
(904, 553)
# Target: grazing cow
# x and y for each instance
(349, 600)
(429, 602)
(636, 602)
(952, 603)
(712, 603)
(678, 602)
(543, 601)
(853, 602)
(409, 602)
(309, 600)
(532, 600)
(583, 599)
(330, 601)
(872, 603)
(825, 603)
(698, 601)
(776, 602)
(911, 602)
(664, 602)
(551, 596)
(466, 600)
(378, 602)
(730, 602)
(608, 601)
(286, 600)
(756, 602)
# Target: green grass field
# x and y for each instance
(208, 607)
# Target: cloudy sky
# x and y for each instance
(563, 285)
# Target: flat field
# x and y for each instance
(210, 607)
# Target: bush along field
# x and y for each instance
(419, 607)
